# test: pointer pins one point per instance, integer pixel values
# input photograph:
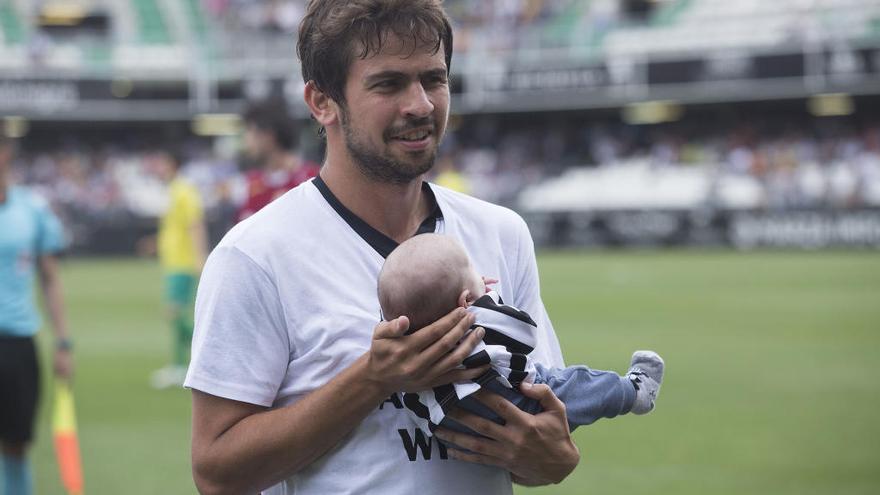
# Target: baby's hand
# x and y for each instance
(488, 281)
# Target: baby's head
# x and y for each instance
(425, 278)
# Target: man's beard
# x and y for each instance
(385, 168)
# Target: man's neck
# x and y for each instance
(395, 210)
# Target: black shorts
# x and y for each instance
(19, 388)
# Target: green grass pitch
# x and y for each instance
(771, 385)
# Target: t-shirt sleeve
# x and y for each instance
(527, 296)
(50, 234)
(241, 348)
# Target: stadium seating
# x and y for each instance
(702, 25)
(636, 185)
(11, 26)
(549, 161)
(535, 30)
(197, 20)
(151, 22)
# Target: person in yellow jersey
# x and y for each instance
(181, 246)
(449, 177)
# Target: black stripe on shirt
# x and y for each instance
(494, 337)
(486, 302)
(377, 240)
(517, 361)
(517, 377)
(445, 396)
(411, 401)
(481, 358)
(517, 369)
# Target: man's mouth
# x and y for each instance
(414, 136)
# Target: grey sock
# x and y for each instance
(646, 375)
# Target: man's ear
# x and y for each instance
(322, 107)
(463, 298)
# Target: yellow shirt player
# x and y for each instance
(181, 248)
(449, 177)
(177, 244)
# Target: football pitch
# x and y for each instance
(771, 383)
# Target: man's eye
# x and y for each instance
(387, 84)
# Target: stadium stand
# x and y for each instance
(152, 24)
(11, 25)
(748, 25)
(548, 93)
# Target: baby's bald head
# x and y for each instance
(424, 278)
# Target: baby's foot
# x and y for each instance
(646, 374)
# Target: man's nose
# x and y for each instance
(417, 102)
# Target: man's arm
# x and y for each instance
(239, 447)
(244, 448)
(199, 235)
(50, 284)
(536, 449)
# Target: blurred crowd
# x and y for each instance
(109, 186)
(487, 25)
(494, 25)
(800, 166)
(502, 25)
(280, 16)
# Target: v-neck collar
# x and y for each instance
(377, 240)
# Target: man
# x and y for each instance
(295, 387)
(182, 245)
(270, 140)
(30, 236)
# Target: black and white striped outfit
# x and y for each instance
(510, 337)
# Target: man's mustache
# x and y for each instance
(410, 125)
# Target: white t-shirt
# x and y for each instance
(288, 300)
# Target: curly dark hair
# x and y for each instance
(333, 32)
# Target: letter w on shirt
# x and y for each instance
(419, 442)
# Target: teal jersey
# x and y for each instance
(28, 230)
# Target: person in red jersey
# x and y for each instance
(271, 141)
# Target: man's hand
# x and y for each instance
(424, 359)
(63, 363)
(536, 449)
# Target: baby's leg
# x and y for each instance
(646, 374)
(588, 394)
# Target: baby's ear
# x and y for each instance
(463, 298)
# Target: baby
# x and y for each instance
(429, 275)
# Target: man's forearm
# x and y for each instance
(262, 449)
(50, 283)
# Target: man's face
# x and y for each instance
(397, 105)
(164, 167)
(256, 142)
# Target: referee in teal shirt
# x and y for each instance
(30, 236)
